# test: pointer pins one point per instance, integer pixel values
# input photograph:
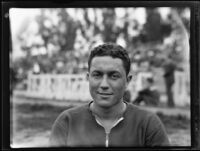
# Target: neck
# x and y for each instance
(109, 113)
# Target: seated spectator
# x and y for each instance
(148, 95)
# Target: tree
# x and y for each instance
(155, 30)
(110, 32)
(62, 35)
(58, 30)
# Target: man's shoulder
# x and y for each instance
(81, 109)
(73, 113)
(137, 111)
(143, 116)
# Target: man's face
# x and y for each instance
(107, 81)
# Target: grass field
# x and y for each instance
(31, 124)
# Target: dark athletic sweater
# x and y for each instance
(77, 127)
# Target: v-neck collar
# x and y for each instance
(121, 118)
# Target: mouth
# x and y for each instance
(104, 94)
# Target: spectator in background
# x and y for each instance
(169, 68)
(108, 120)
(148, 95)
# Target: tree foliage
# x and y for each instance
(154, 28)
(60, 35)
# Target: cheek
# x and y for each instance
(119, 87)
(93, 85)
(119, 90)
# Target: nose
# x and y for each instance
(104, 83)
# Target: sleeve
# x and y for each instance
(59, 131)
(155, 132)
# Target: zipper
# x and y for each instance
(108, 131)
(107, 139)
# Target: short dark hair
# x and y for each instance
(113, 50)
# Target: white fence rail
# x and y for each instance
(76, 87)
(70, 87)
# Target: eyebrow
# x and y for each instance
(109, 72)
(115, 71)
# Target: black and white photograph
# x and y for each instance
(100, 77)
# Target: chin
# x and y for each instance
(103, 103)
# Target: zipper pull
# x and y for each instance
(107, 139)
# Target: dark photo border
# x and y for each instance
(194, 61)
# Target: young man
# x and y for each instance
(108, 121)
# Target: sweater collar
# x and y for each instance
(123, 114)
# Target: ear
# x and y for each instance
(129, 77)
(87, 76)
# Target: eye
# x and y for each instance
(96, 75)
(115, 76)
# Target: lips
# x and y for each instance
(104, 94)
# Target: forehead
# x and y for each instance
(107, 63)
